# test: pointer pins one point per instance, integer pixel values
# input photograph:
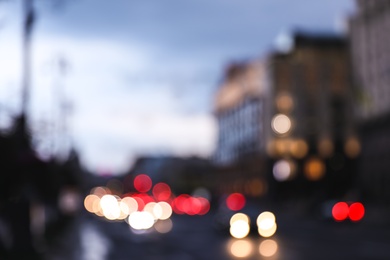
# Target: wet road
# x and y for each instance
(91, 238)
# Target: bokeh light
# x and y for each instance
(142, 183)
(110, 207)
(268, 232)
(163, 226)
(266, 224)
(314, 169)
(340, 211)
(325, 147)
(192, 206)
(162, 210)
(265, 216)
(239, 216)
(268, 248)
(284, 170)
(205, 206)
(356, 211)
(178, 203)
(141, 220)
(161, 191)
(235, 201)
(284, 102)
(352, 147)
(100, 191)
(281, 124)
(128, 205)
(151, 208)
(299, 148)
(90, 201)
(239, 229)
(241, 248)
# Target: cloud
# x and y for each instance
(113, 142)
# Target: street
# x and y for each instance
(91, 238)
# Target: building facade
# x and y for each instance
(311, 134)
(370, 53)
(239, 111)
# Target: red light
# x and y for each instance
(340, 211)
(205, 206)
(356, 211)
(161, 191)
(180, 204)
(142, 183)
(235, 201)
(140, 203)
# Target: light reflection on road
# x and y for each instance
(253, 248)
(94, 245)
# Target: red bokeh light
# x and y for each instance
(179, 204)
(340, 211)
(142, 183)
(356, 211)
(205, 206)
(161, 191)
(185, 204)
(194, 206)
(140, 202)
(235, 201)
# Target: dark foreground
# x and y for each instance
(91, 238)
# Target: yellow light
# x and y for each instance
(150, 207)
(268, 248)
(314, 169)
(299, 148)
(268, 232)
(163, 211)
(128, 205)
(266, 215)
(110, 207)
(141, 220)
(241, 248)
(100, 191)
(239, 216)
(163, 226)
(89, 202)
(325, 147)
(352, 147)
(239, 229)
(266, 224)
(281, 124)
(96, 208)
(284, 102)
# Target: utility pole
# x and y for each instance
(29, 18)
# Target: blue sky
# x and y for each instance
(142, 74)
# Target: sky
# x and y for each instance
(139, 77)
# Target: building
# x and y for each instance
(285, 123)
(311, 136)
(370, 53)
(239, 111)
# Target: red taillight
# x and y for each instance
(356, 211)
(235, 201)
(340, 211)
